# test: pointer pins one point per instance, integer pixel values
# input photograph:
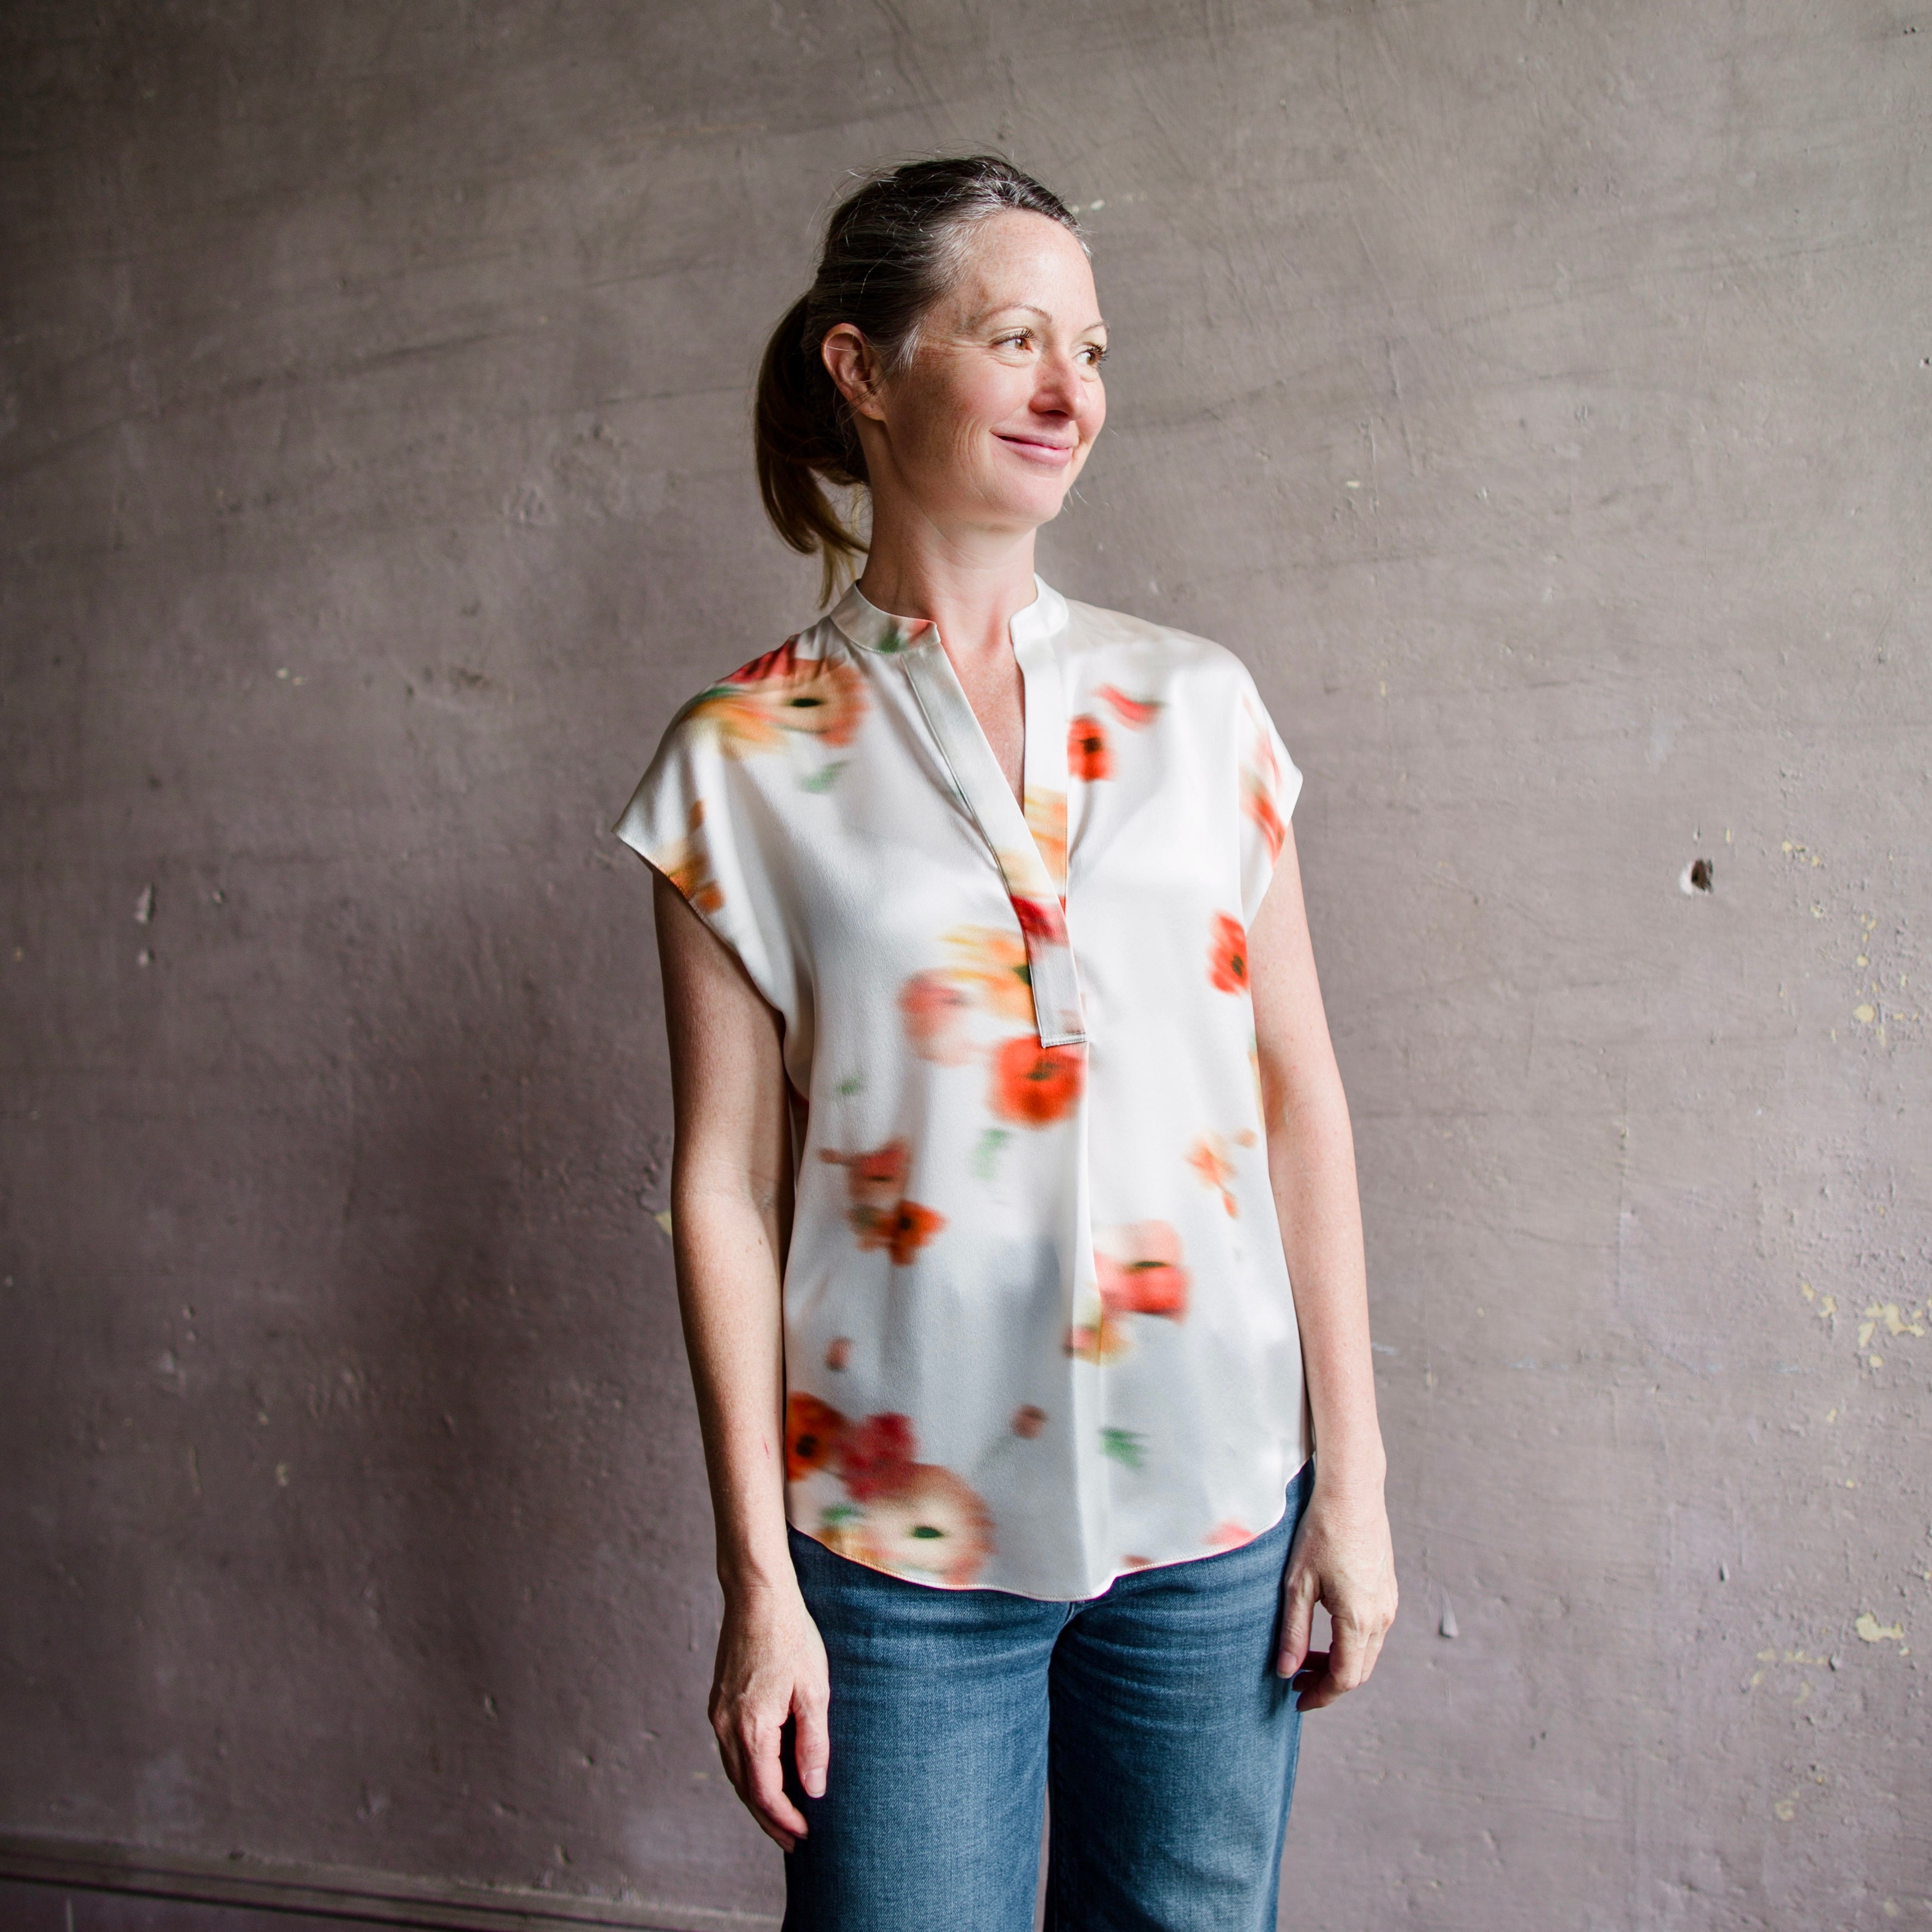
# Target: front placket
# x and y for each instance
(1037, 899)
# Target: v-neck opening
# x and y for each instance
(1027, 835)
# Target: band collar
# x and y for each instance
(863, 623)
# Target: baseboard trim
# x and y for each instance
(373, 1898)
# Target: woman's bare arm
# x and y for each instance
(731, 1204)
(1342, 1556)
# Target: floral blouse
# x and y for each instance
(1038, 1326)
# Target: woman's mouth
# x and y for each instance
(1048, 454)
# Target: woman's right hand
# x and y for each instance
(771, 1666)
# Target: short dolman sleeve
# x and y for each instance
(1271, 783)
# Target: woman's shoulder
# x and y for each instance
(807, 686)
(1104, 641)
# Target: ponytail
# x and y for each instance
(803, 431)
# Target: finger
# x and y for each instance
(1348, 1654)
(1372, 1652)
(1298, 1623)
(764, 1780)
(811, 1740)
(1315, 1683)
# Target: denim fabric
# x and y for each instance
(1151, 1712)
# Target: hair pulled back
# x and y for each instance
(892, 248)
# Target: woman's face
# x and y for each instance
(991, 422)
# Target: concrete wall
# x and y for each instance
(1538, 395)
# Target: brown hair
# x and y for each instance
(891, 248)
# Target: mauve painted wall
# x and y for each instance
(1538, 396)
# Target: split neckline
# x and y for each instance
(1027, 840)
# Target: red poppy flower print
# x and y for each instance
(814, 1432)
(904, 1517)
(935, 1011)
(1136, 713)
(1035, 1085)
(876, 1456)
(1042, 918)
(906, 1230)
(1228, 954)
(874, 1178)
(1138, 1271)
(880, 1214)
(1229, 1535)
(1087, 756)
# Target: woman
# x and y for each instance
(1005, 1109)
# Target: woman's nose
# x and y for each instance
(1057, 391)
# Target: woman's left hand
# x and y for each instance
(1344, 1559)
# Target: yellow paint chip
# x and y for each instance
(662, 1218)
(1864, 1015)
(1870, 1630)
(1786, 1809)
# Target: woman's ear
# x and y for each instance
(854, 366)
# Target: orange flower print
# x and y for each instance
(754, 707)
(1035, 1085)
(1138, 1270)
(688, 863)
(1207, 1160)
(814, 1431)
(1046, 820)
(991, 962)
(1099, 1336)
(1087, 756)
(876, 1177)
(1136, 713)
(935, 1010)
(1261, 785)
(880, 1214)
(1230, 1535)
(1028, 1420)
(906, 1230)
(1228, 954)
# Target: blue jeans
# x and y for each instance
(1151, 1713)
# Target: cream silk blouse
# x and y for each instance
(1038, 1326)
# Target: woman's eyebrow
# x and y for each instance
(986, 315)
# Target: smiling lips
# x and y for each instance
(1037, 449)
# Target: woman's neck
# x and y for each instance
(968, 586)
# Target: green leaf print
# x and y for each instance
(987, 1151)
(852, 1084)
(1123, 1445)
(824, 778)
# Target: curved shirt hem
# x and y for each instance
(1053, 1596)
